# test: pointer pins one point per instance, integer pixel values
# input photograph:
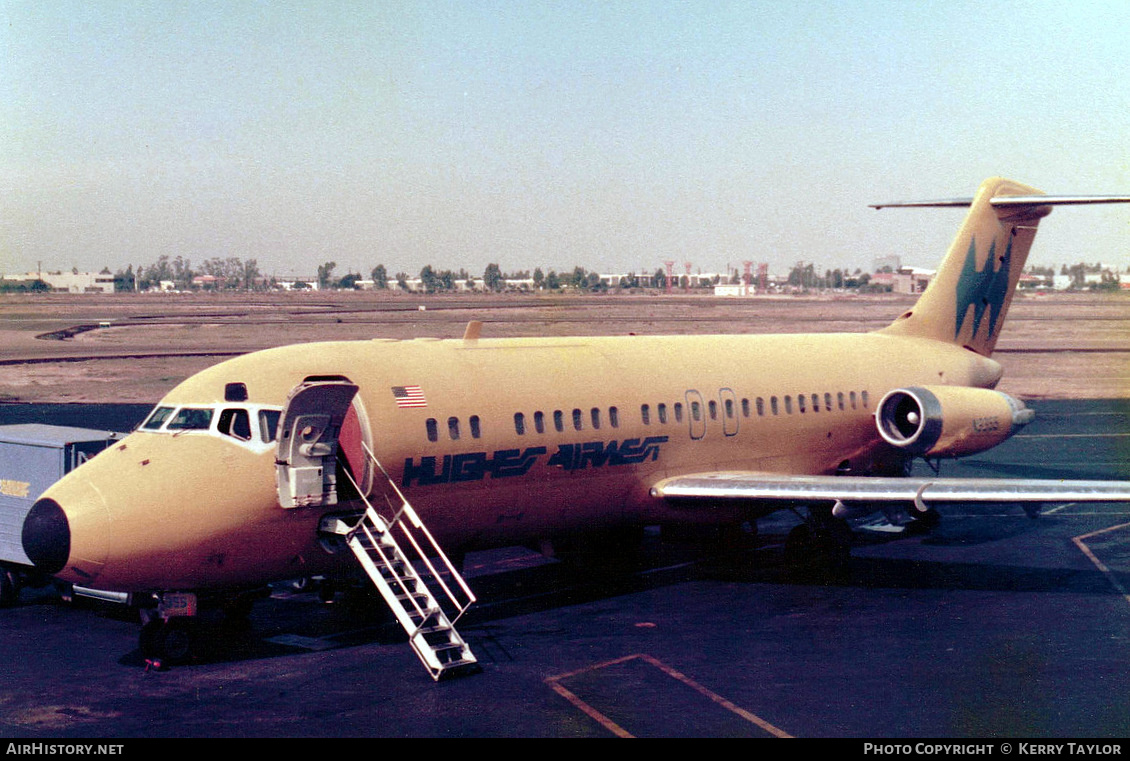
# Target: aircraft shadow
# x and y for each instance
(291, 623)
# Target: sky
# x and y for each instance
(610, 135)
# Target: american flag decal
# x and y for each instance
(409, 396)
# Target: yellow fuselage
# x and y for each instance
(601, 420)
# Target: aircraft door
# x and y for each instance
(306, 453)
(696, 414)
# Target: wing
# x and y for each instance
(853, 496)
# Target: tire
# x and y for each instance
(178, 641)
(172, 641)
(9, 587)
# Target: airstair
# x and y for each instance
(421, 586)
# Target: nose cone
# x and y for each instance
(47, 536)
(66, 532)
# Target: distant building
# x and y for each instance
(207, 282)
(906, 280)
(68, 282)
(294, 283)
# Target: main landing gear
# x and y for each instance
(821, 544)
(10, 583)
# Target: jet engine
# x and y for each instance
(948, 421)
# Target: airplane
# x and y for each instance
(305, 460)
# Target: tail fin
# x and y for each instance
(968, 298)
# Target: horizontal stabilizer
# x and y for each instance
(1004, 201)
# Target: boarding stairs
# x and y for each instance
(421, 586)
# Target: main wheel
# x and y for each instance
(826, 549)
(9, 587)
(798, 547)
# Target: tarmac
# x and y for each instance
(992, 625)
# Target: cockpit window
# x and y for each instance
(250, 425)
(191, 419)
(269, 424)
(158, 418)
(235, 423)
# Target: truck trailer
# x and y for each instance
(33, 457)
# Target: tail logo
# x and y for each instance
(984, 289)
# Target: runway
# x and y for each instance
(992, 625)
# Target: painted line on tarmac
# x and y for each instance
(555, 683)
(1081, 543)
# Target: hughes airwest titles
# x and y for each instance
(275, 464)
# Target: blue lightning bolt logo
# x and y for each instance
(984, 289)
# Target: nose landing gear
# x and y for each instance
(168, 641)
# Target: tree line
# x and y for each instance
(233, 273)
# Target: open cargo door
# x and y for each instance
(306, 455)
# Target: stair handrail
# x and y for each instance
(414, 517)
(373, 517)
(419, 526)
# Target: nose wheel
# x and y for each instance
(170, 641)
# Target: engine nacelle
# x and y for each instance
(948, 421)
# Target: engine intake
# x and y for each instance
(948, 421)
